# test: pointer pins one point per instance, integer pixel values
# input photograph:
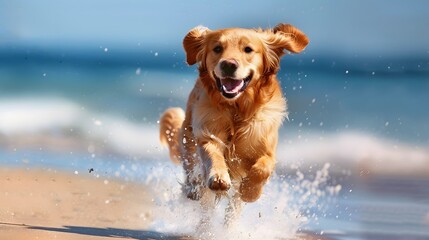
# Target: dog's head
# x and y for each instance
(236, 58)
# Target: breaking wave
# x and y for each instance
(33, 121)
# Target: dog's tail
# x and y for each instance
(169, 129)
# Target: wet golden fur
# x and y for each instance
(232, 141)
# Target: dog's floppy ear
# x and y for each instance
(288, 37)
(193, 44)
(283, 37)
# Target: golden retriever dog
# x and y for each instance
(228, 135)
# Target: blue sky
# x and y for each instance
(373, 28)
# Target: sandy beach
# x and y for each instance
(41, 204)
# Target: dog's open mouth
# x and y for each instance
(231, 87)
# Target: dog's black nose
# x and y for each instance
(228, 67)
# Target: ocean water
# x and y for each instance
(353, 157)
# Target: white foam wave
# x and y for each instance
(57, 117)
(357, 151)
(34, 115)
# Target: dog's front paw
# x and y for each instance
(219, 182)
(250, 191)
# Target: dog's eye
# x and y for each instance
(248, 49)
(217, 49)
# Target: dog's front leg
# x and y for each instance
(251, 186)
(216, 171)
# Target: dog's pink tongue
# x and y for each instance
(231, 85)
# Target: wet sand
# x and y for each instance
(40, 204)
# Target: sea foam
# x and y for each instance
(58, 118)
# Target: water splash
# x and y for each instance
(286, 206)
